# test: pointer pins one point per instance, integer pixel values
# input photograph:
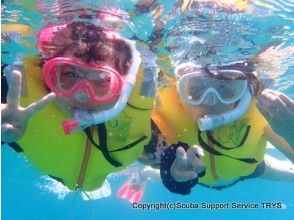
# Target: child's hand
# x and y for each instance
(187, 165)
(14, 118)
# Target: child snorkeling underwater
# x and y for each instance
(234, 150)
(187, 167)
(96, 77)
(214, 107)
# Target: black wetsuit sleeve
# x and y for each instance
(4, 85)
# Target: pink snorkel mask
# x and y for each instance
(67, 76)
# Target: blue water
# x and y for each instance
(22, 198)
(26, 192)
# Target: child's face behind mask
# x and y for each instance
(111, 52)
(197, 112)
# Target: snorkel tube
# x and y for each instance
(83, 118)
(211, 122)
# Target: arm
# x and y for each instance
(278, 170)
(278, 109)
(149, 173)
(280, 143)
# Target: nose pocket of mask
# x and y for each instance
(210, 99)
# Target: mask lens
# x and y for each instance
(68, 77)
(102, 84)
(100, 81)
(230, 90)
(195, 87)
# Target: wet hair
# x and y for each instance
(90, 44)
(246, 67)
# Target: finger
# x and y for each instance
(182, 176)
(197, 150)
(9, 133)
(6, 128)
(274, 98)
(276, 106)
(271, 104)
(268, 96)
(14, 90)
(42, 103)
(181, 157)
(198, 165)
(287, 100)
(193, 153)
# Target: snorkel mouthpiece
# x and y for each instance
(70, 126)
(211, 122)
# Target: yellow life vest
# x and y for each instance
(72, 158)
(20, 28)
(186, 5)
(240, 5)
(244, 138)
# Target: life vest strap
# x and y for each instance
(102, 135)
(217, 153)
(139, 109)
(215, 142)
(103, 143)
(212, 161)
(133, 144)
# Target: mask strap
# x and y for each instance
(103, 143)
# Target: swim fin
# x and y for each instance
(131, 191)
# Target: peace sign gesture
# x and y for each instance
(14, 118)
(187, 165)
